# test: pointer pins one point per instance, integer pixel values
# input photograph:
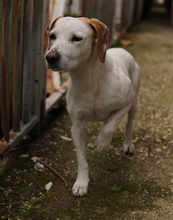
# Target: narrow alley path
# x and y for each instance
(121, 188)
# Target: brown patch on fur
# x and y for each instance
(53, 23)
(102, 35)
(46, 34)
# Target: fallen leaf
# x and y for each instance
(66, 138)
(125, 42)
(48, 186)
(111, 146)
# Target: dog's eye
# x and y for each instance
(75, 38)
(52, 36)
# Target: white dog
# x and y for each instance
(103, 84)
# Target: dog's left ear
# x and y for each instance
(47, 30)
(102, 35)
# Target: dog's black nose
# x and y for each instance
(52, 57)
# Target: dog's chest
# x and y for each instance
(97, 102)
(94, 106)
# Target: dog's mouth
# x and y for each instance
(60, 67)
(54, 67)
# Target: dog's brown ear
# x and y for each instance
(46, 34)
(53, 23)
(102, 35)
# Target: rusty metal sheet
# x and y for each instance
(0, 59)
(16, 137)
(127, 14)
(37, 55)
(23, 22)
(100, 10)
(17, 63)
(138, 10)
(5, 103)
(43, 70)
(6, 59)
(172, 13)
(123, 21)
(27, 60)
(130, 12)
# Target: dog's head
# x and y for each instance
(70, 41)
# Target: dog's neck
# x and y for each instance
(85, 76)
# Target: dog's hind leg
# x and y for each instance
(128, 146)
(80, 187)
(105, 136)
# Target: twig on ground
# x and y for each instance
(37, 159)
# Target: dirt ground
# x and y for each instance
(121, 187)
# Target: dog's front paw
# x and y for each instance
(101, 147)
(102, 144)
(129, 149)
(80, 188)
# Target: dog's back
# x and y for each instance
(126, 62)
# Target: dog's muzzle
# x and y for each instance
(52, 57)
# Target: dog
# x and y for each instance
(103, 84)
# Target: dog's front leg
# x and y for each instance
(80, 187)
(105, 136)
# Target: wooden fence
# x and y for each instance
(22, 68)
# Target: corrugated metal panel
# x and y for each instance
(22, 68)
(172, 13)
(17, 63)
(138, 10)
(0, 63)
(7, 74)
(36, 62)
(27, 60)
(127, 14)
(102, 10)
(43, 70)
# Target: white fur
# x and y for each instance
(97, 91)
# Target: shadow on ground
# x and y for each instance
(140, 187)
